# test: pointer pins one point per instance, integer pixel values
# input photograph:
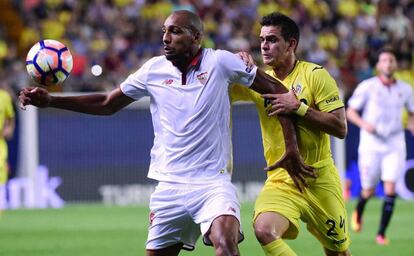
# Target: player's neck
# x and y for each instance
(283, 71)
(387, 80)
(184, 64)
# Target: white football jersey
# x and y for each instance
(190, 114)
(382, 106)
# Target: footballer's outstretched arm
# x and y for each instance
(291, 161)
(95, 104)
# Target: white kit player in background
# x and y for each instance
(382, 149)
(192, 152)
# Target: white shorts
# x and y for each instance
(179, 213)
(387, 165)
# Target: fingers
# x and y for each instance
(269, 96)
(246, 58)
(25, 96)
(251, 61)
(300, 185)
(272, 113)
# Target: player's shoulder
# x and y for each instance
(309, 67)
(313, 72)
(156, 61)
(219, 54)
(153, 65)
(404, 85)
(369, 82)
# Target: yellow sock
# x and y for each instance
(278, 248)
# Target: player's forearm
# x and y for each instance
(8, 129)
(265, 84)
(333, 123)
(89, 104)
(95, 104)
(354, 117)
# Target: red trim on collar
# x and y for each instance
(197, 59)
(387, 83)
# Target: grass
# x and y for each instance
(121, 231)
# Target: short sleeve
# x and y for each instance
(359, 96)
(135, 86)
(410, 100)
(326, 92)
(232, 66)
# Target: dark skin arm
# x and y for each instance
(107, 104)
(291, 161)
(95, 104)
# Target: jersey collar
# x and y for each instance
(196, 61)
(387, 83)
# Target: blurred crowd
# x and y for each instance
(119, 35)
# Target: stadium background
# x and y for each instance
(106, 159)
(119, 35)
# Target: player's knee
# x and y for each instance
(265, 234)
(367, 193)
(224, 245)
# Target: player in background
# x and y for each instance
(314, 103)
(191, 155)
(382, 149)
(7, 123)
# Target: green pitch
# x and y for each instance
(95, 230)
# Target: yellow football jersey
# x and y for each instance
(312, 85)
(6, 111)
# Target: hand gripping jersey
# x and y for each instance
(312, 85)
(190, 114)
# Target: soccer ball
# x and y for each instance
(49, 62)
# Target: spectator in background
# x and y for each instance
(382, 149)
(7, 123)
(349, 26)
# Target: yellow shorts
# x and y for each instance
(321, 207)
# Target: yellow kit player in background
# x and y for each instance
(313, 101)
(7, 124)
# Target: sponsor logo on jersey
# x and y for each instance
(167, 82)
(332, 99)
(232, 209)
(202, 78)
(297, 89)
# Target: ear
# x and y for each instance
(293, 44)
(197, 37)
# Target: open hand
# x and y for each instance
(296, 168)
(247, 59)
(35, 96)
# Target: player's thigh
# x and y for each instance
(369, 164)
(218, 211)
(326, 214)
(170, 222)
(283, 199)
(393, 164)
